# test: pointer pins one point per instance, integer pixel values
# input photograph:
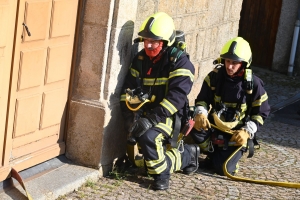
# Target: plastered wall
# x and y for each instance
(284, 39)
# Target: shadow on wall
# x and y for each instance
(114, 140)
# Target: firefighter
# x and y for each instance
(162, 88)
(229, 109)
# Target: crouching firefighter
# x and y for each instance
(229, 109)
(154, 103)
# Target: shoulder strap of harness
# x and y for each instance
(140, 59)
(176, 130)
(251, 143)
(175, 53)
(214, 80)
(248, 87)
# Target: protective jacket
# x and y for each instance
(229, 91)
(170, 84)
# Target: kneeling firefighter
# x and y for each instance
(154, 103)
(229, 109)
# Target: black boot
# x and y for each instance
(160, 184)
(194, 152)
(206, 163)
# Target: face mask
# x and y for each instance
(152, 52)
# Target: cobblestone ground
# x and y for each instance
(279, 87)
(278, 159)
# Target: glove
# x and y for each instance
(201, 122)
(140, 126)
(128, 120)
(130, 117)
(251, 128)
(240, 137)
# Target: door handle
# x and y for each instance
(27, 29)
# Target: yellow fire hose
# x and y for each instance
(16, 175)
(264, 182)
(138, 107)
(236, 178)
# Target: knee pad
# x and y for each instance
(205, 146)
(200, 136)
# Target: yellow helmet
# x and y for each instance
(237, 49)
(159, 26)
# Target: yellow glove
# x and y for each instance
(201, 122)
(240, 137)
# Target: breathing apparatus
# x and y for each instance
(136, 98)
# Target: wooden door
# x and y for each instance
(7, 23)
(39, 81)
(258, 25)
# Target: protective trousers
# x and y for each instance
(218, 154)
(160, 162)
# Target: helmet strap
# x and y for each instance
(157, 58)
(240, 71)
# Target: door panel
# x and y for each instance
(60, 21)
(34, 146)
(36, 16)
(26, 119)
(40, 81)
(29, 69)
(52, 108)
(18, 141)
(37, 156)
(57, 64)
